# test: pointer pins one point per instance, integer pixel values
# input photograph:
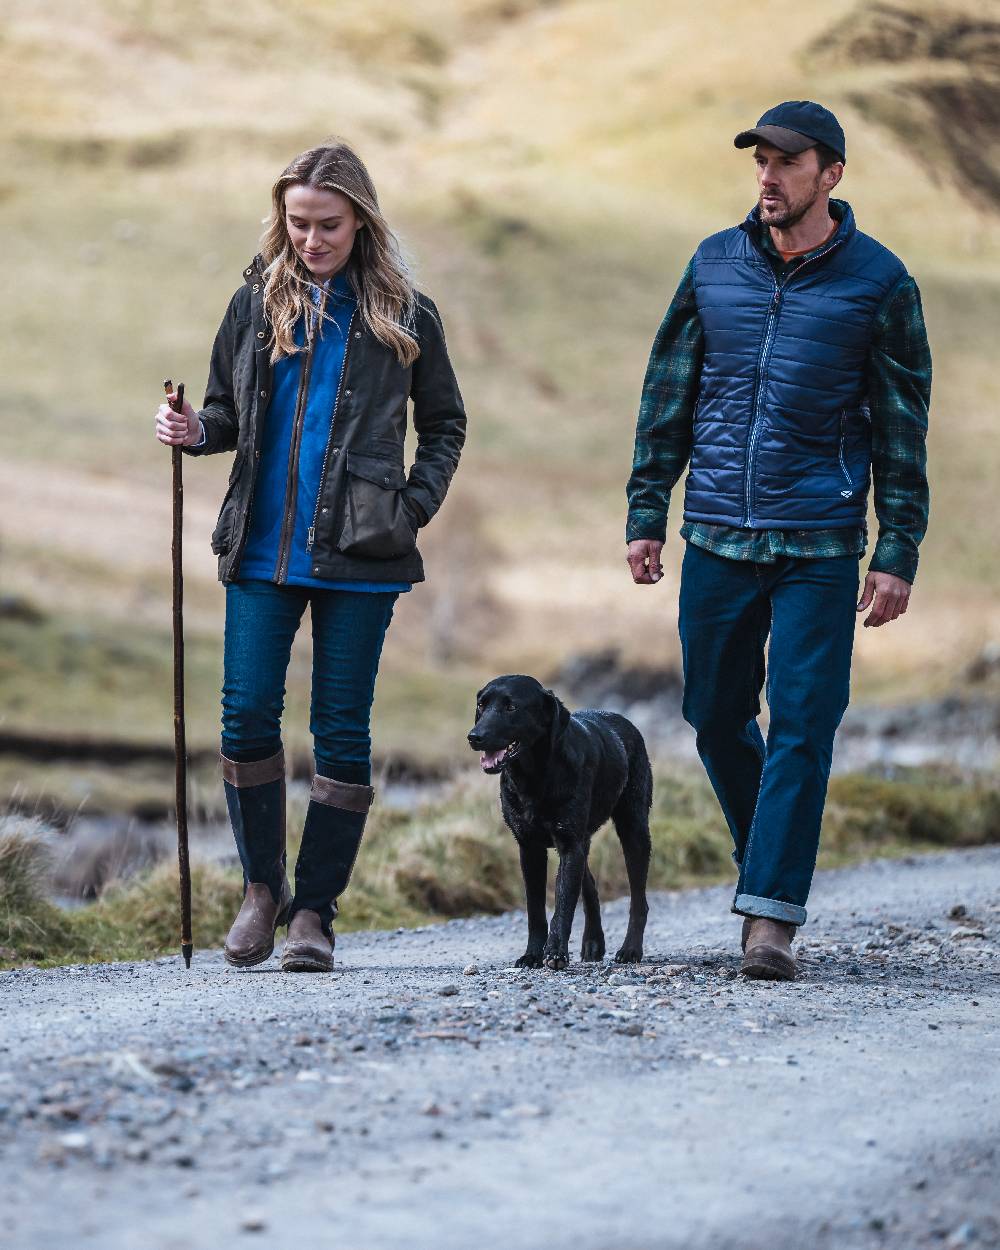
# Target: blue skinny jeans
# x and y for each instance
(348, 629)
(772, 793)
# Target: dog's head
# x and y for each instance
(513, 714)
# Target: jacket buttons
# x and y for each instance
(347, 392)
(357, 334)
(336, 451)
(387, 479)
(324, 511)
(248, 272)
(316, 569)
(260, 334)
(263, 394)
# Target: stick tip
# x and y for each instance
(187, 950)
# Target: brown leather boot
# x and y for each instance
(255, 796)
(307, 947)
(767, 950)
(251, 939)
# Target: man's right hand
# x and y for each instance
(177, 429)
(644, 561)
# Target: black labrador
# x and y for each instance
(563, 777)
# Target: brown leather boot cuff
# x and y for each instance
(341, 794)
(257, 773)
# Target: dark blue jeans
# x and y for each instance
(772, 794)
(348, 629)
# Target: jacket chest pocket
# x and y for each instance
(376, 524)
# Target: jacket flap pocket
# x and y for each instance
(373, 469)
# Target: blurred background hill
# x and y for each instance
(550, 166)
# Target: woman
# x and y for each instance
(311, 371)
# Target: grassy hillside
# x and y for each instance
(550, 167)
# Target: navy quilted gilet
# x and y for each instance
(782, 434)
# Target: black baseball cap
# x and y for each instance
(795, 126)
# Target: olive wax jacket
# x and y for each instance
(369, 507)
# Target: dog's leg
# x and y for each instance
(534, 865)
(592, 947)
(632, 827)
(569, 879)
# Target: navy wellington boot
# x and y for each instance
(335, 823)
(255, 796)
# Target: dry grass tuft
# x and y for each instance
(30, 925)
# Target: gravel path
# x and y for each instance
(411, 1100)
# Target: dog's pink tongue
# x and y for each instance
(488, 761)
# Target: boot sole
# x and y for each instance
(762, 965)
(248, 961)
(254, 958)
(304, 963)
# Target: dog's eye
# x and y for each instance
(508, 705)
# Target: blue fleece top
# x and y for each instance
(260, 556)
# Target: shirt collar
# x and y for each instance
(767, 243)
(338, 288)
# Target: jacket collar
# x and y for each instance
(340, 287)
(254, 272)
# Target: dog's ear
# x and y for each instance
(560, 718)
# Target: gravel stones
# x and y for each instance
(398, 1066)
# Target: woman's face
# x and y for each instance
(321, 225)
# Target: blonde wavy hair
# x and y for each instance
(376, 270)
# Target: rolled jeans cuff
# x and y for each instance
(770, 908)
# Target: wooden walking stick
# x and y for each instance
(180, 749)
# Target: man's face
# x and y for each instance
(790, 183)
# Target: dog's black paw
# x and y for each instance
(592, 950)
(556, 956)
(629, 955)
(528, 960)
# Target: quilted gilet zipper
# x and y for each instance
(757, 422)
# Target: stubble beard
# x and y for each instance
(791, 214)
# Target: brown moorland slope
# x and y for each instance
(550, 166)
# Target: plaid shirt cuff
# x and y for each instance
(646, 523)
(897, 555)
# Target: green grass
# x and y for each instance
(454, 857)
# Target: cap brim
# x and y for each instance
(779, 136)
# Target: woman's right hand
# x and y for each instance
(177, 429)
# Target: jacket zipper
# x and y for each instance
(292, 484)
(840, 452)
(311, 536)
(757, 422)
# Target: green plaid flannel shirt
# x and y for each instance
(899, 386)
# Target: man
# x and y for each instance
(791, 368)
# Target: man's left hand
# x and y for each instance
(889, 594)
